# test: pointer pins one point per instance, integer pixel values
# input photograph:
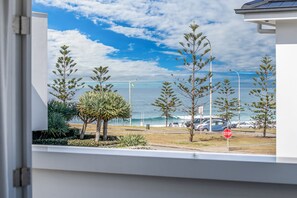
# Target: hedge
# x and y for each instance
(52, 141)
(91, 143)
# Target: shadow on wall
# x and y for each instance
(39, 112)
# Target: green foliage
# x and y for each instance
(53, 141)
(57, 124)
(74, 142)
(64, 87)
(59, 114)
(72, 132)
(195, 56)
(225, 104)
(264, 94)
(132, 140)
(115, 106)
(103, 106)
(85, 111)
(91, 143)
(100, 76)
(167, 102)
(68, 110)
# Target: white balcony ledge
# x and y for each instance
(191, 165)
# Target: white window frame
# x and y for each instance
(194, 165)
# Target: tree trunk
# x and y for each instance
(98, 128)
(83, 130)
(191, 136)
(166, 120)
(105, 125)
(265, 127)
(192, 119)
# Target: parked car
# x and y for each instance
(233, 125)
(217, 125)
(250, 125)
(199, 121)
(196, 121)
(174, 124)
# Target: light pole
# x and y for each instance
(130, 99)
(239, 107)
(210, 89)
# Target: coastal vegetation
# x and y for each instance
(102, 106)
(167, 102)
(64, 86)
(195, 55)
(225, 103)
(100, 77)
(264, 93)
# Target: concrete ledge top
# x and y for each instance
(191, 165)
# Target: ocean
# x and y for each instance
(144, 93)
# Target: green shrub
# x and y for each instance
(68, 110)
(57, 125)
(52, 141)
(90, 143)
(72, 132)
(132, 140)
(87, 143)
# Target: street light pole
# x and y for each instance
(239, 107)
(210, 89)
(130, 102)
(130, 98)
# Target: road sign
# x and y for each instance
(227, 133)
(200, 110)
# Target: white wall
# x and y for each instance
(39, 71)
(69, 184)
(286, 96)
(78, 172)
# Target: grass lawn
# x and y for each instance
(170, 138)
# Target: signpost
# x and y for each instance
(200, 111)
(227, 134)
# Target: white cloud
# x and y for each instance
(89, 54)
(170, 53)
(131, 46)
(234, 42)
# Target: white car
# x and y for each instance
(246, 125)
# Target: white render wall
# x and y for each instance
(39, 71)
(286, 96)
(78, 172)
(71, 184)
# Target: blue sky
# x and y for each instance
(139, 39)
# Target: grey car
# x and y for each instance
(217, 125)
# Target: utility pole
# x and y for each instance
(210, 90)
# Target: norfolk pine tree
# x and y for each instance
(167, 102)
(100, 76)
(225, 104)
(195, 55)
(64, 86)
(264, 93)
